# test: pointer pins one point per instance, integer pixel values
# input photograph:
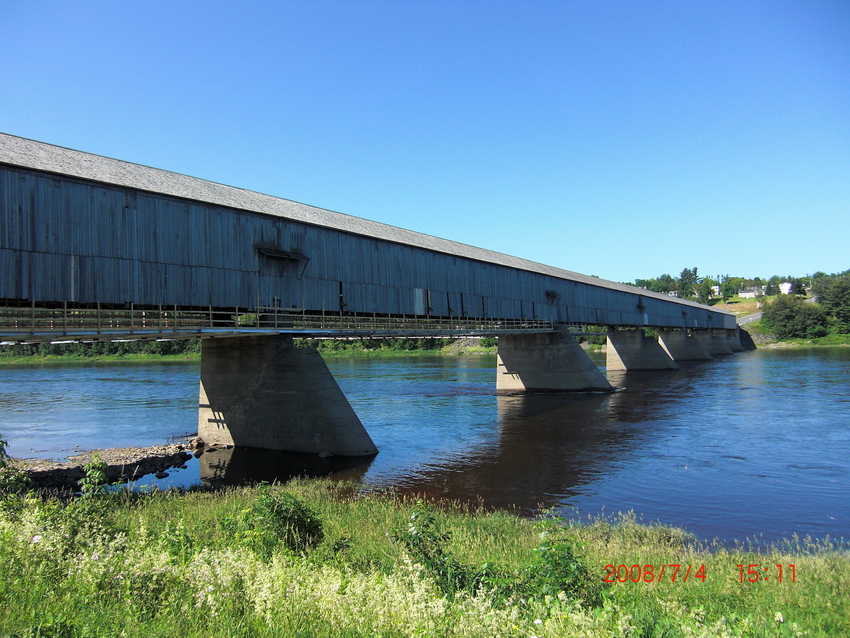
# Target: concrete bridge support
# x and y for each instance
(746, 340)
(713, 340)
(733, 341)
(546, 362)
(263, 392)
(683, 347)
(632, 350)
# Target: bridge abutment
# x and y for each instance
(546, 362)
(681, 346)
(632, 350)
(263, 392)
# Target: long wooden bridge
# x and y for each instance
(93, 248)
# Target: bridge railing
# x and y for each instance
(34, 323)
(277, 318)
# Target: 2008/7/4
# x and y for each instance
(651, 573)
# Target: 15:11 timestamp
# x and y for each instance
(755, 573)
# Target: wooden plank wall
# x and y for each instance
(63, 239)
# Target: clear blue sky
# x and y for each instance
(618, 139)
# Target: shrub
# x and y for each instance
(790, 317)
(276, 519)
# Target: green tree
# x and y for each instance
(833, 294)
(663, 284)
(728, 290)
(666, 283)
(798, 287)
(688, 280)
(704, 291)
(791, 317)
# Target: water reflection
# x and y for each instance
(238, 466)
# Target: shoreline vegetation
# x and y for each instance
(190, 349)
(321, 558)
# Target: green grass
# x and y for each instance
(217, 564)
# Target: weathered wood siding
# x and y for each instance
(67, 239)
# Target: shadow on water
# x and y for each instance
(240, 466)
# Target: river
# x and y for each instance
(752, 446)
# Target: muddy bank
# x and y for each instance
(123, 464)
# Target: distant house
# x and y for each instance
(785, 288)
(750, 293)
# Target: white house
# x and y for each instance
(750, 293)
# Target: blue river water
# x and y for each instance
(752, 446)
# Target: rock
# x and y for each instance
(122, 464)
(161, 475)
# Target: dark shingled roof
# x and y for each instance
(22, 152)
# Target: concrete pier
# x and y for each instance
(546, 362)
(713, 340)
(746, 339)
(263, 392)
(681, 346)
(632, 350)
(733, 341)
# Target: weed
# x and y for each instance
(94, 483)
(275, 519)
(12, 479)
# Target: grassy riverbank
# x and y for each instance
(320, 559)
(764, 339)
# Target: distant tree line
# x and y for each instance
(103, 348)
(689, 285)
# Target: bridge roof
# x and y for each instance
(26, 153)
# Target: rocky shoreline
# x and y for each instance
(123, 464)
